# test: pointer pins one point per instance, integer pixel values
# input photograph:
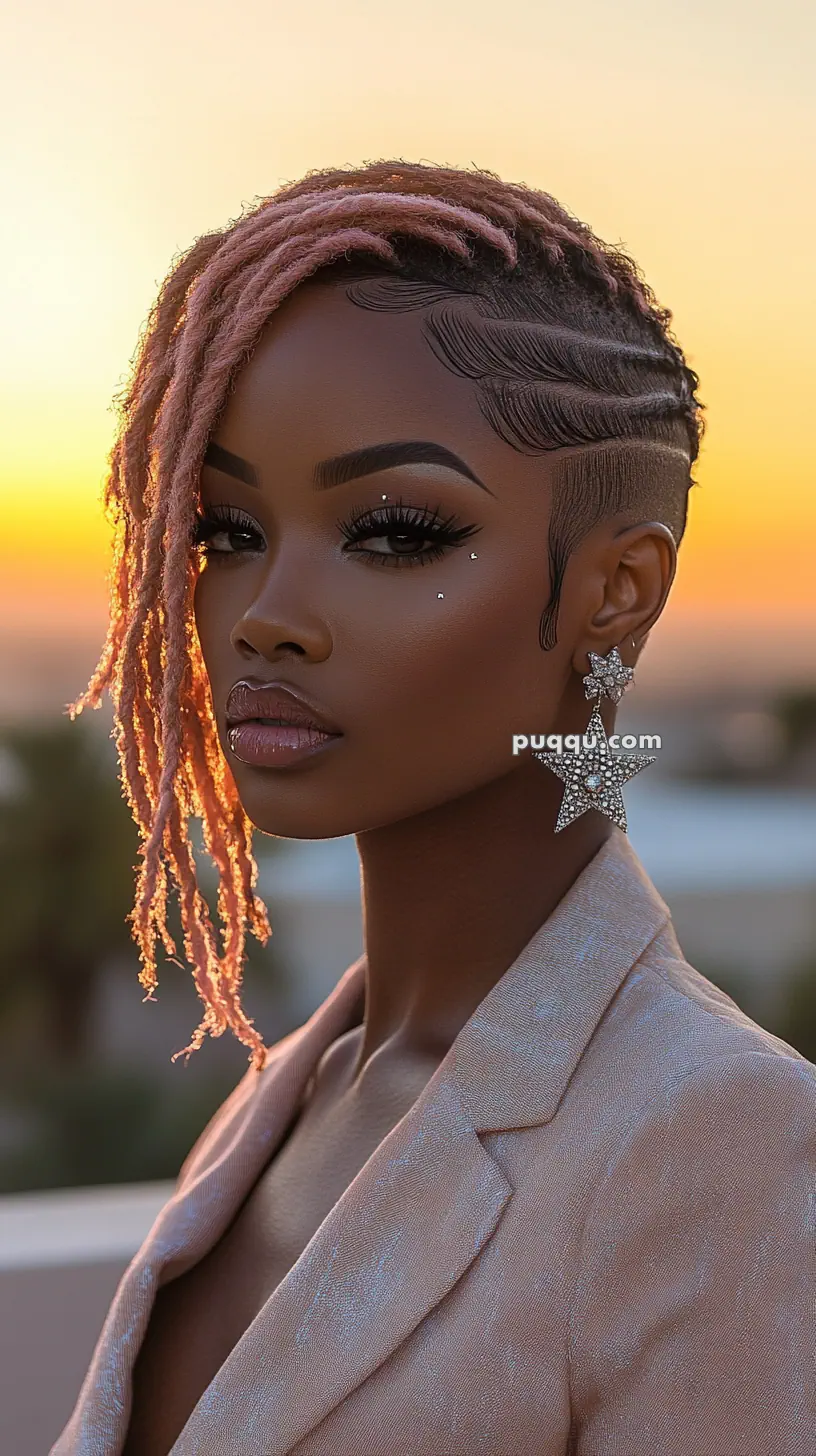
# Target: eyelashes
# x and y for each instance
(405, 535)
(404, 529)
(222, 520)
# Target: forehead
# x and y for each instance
(329, 376)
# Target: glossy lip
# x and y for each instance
(280, 703)
(280, 746)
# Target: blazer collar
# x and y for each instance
(515, 1056)
(417, 1214)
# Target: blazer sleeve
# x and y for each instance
(693, 1330)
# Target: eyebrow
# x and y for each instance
(229, 464)
(383, 457)
(355, 463)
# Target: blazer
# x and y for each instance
(591, 1235)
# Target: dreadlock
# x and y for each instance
(569, 349)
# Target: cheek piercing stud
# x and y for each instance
(440, 596)
(473, 555)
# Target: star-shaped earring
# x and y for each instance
(608, 677)
(595, 776)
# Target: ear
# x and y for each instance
(632, 571)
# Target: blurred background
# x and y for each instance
(684, 133)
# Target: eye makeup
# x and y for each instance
(223, 520)
(414, 535)
(411, 535)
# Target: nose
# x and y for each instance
(281, 623)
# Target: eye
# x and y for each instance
(399, 535)
(225, 523)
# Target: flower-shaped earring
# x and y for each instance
(594, 775)
(608, 677)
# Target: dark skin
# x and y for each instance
(460, 862)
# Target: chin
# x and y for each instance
(301, 806)
(323, 819)
(295, 814)
(293, 824)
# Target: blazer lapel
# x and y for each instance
(417, 1214)
(216, 1177)
(429, 1199)
(405, 1230)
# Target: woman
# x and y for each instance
(401, 477)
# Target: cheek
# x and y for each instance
(203, 617)
(216, 608)
(461, 674)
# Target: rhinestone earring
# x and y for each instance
(594, 776)
(608, 678)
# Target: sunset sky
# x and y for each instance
(684, 131)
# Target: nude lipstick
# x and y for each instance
(273, 726)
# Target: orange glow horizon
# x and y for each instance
(689, 144)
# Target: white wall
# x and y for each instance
(62, 1255)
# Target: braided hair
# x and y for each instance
(570, 353)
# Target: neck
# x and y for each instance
(450, 899)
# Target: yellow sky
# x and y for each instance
(683, 131)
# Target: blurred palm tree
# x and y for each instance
(796, 712)
(68, 865)
(68, 869)
(68, 851)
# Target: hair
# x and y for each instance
(570, 353)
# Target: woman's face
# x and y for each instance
(415, 634)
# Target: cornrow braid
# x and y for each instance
(521, 297)
(566, 363)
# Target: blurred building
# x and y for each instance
(736, 865)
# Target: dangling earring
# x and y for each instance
(594, 776)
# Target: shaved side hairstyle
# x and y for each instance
(571, 358)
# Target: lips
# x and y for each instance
(275, 704)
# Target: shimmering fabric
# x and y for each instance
(592, 1235)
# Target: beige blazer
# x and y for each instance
(592, 1234)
